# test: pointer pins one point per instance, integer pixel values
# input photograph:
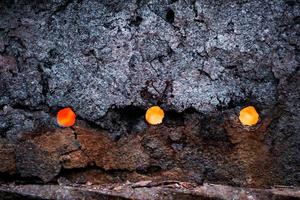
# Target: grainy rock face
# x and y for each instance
(94, 55)
(201, 60)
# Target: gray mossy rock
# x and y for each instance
(94, 55)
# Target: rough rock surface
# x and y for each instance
(200, 60)
(95, 55)
(7, 157)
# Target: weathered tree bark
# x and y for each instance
(201, 61)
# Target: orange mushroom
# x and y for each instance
(66, 117)
(154, 115)
(249, 116)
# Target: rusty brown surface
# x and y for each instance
(252, 154)
(83, 154)
(7, 157)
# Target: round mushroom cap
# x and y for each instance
(66, 117)
(154, 115)
(249, 116)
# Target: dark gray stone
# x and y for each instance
(99, 57)
(93, 58)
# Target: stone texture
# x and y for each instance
(40, 156)
(14, 123)
(233, 154)
(252, 154)
(200, 60)
(112, 54)
(73, 160)
(283, 134)
(128, 155)
(7, 63)
(210, 58)
(7, 157)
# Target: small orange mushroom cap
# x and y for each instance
(249, 116)
(155, 115)
(66, 117)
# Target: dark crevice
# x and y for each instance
(88, 123)
(23, 107)
(296, 20)
(202, 72)
(236, 103)
(111, 172)
(174, 118)
(173, 1)
(44, 82)
(234, 67)
(131, 112)
(291, 2)
(230, 27)
(75, 134)
(92, 52)
(17, 179)
(120, 121)
(194, 9)
(170, 16)
(136, 21)
(53, 53)
(149, 170)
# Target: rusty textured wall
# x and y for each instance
(201, 60)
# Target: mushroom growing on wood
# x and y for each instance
(66, 117)
(249, 116)
(154, 115)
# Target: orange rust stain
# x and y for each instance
(66, 117)
(249, 116)
(154, 115)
